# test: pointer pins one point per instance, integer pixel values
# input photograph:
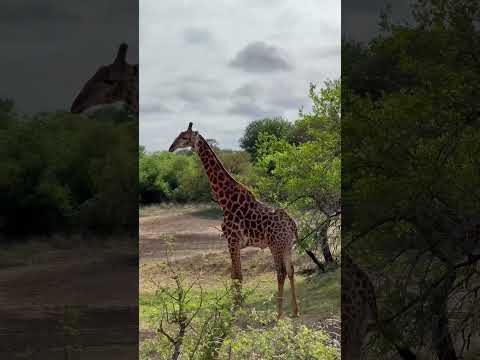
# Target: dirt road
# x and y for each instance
(192, 231)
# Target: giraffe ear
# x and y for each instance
(122, 54)
(190, 126)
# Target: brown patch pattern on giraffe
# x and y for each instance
(246, 221)
(359, 309)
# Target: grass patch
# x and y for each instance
(318, 296)
(254, 324)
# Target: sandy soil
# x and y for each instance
(192, 234)
(195, 242)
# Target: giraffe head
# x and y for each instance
(185, 139)
(110, 84)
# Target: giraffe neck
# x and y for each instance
(132, 91)
(222, 184)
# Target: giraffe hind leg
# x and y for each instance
(291, 278)
(281, 276)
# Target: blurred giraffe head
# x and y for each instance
(185, 139)
(117, 82)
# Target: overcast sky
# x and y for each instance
(222, 64)
(217, 63)
(50, 48)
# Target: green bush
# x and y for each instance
(251, 336)
(180, 177)
(62, 172)
(284, 341)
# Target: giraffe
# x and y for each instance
(246, 221)
(111, 83)
(359, 309)
(360, 314)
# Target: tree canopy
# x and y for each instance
(277, 126)
(410, 189)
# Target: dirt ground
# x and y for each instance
(46, 294)
(194, 231)
(193, 239)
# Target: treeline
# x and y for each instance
(166, 177)
(62, 172)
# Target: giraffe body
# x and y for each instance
(359, 309)
(246, 221)
(117, 82)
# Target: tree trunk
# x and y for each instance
(177, 346)
(323, 240)
(315, 260)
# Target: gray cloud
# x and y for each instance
(251, 110)
(278, 95)
(249, 91)
(190, 95)
(197, 36)
(155, 108)
(196, 91)
(289, 101)
(259, 57)
(190, 72)
(327, 52)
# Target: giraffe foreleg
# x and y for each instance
(236, 272)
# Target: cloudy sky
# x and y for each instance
(50, 48)
(223, 63)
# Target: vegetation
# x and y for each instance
(278, 127)
(304, 175)
(411, 186)
(293, 165)
(64, 172)
(167, 177)
(194, 320)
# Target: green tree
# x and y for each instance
(411, 186)
(306, 176)
(277, 126)
(89, 184)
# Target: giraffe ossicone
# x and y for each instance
(246, 221)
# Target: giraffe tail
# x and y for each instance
(296, 231)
